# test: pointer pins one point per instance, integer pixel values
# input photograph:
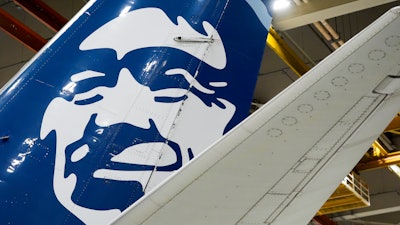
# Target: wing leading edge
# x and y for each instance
(281, 164)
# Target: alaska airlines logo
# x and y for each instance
(115, 142)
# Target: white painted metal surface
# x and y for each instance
(390, 85)
(281, 164)
(316, 10)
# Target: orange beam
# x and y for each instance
(44, 13)
(324, 220)
(393, 158)
(19, 31)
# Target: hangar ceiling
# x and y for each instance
(297, 27)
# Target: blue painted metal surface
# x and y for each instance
(29, 160)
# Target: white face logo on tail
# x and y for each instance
(183, 126)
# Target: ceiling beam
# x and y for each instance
(316, 10)
(391, 159)
(21, 32)
(370, 213)
(43, 13)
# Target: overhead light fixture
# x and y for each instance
(278, 5)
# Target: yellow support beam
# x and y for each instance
(352, 193)
(390, 159)
(278, 45)
(394, 125)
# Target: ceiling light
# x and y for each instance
(280, 5)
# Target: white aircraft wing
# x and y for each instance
(281, 164)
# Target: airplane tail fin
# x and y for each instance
(125, 94)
